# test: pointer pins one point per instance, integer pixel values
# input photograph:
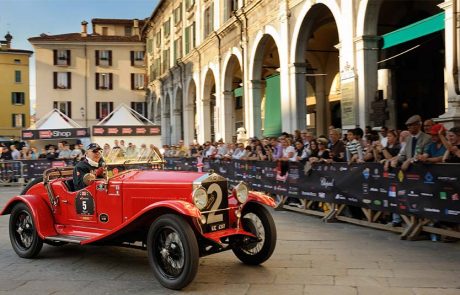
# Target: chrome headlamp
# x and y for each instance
(200, 198)
(241, 192)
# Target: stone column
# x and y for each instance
(288, 120)
(166, 128)
(189, 123)
(298, 85)
(205, 120)
(176, 126)
(256, 88)
(366, 65)
(229, 116)
(321, 105)
(452, 73)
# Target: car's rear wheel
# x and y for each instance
(258, 221)
(23, 233)
(173, 251)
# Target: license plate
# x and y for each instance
(217, 226)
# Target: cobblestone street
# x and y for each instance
(311, 258)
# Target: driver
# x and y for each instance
(88, 169)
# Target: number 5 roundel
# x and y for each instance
(84, 203)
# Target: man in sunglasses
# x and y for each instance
(88, 169)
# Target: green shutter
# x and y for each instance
(413, 31)
(272, 106)
(187, 40)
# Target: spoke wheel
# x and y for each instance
(23, 234)
(258, 221)
(173, 251)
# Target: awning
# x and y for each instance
(413, 31)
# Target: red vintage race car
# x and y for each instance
(177, 217)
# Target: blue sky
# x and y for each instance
(29, 18)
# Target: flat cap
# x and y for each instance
(413, 119)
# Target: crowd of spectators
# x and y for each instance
(62, 151)
(422, 141)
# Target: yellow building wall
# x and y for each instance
(9, 63)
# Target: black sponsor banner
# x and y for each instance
(55, 133)
(126, 130)
(431, 191)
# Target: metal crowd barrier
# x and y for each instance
(11, 173)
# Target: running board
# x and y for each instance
(67, 238)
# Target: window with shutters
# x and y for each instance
(64, 107)
(17, 98)
(150, 45)
(137, 58)
(177, 48)
(208, 20)
(62, 80)
(189, 4)
(17, 77)
(103, 108)
(18, 120)
(166, 57)
(167, 28)
(187, 39)
(139, 107)
(128, 31)
(158, 39)
(178, 14)
(137, 81)
(230, 6)
(104, 58)
(61, 57)
(104, 81)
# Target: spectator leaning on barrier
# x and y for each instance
(51, 153)
(33, 155)
(391, 150)
(323, 153)
(76, 154)
(15, 154)
(353, 147)
(337, 147)
(427, 124)
(415, 144)
(452, 144)
(434, 151)
(25, 153)
(65, 152)
(384, 136)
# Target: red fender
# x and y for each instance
(261, 198)
(41, 213)
(181, 207)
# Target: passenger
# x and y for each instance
(88, 169)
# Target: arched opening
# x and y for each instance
(166, 126)
(266, 89)
(412, 77)
(233, 99)
(318, 83)
(210, 117)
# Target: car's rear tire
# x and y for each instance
(257, 220)
(23, 234)
(31, 184)
(173, 251)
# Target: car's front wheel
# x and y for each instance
(258, 221)
(23, 234)
(173, 251)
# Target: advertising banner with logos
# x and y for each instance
(126, 130)
(51, 134)
(431, 191)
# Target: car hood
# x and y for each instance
(153, 177)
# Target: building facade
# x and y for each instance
(14, 89)
(273, 66)
(87, 75)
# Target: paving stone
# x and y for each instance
(365, 290)
(330, 290)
